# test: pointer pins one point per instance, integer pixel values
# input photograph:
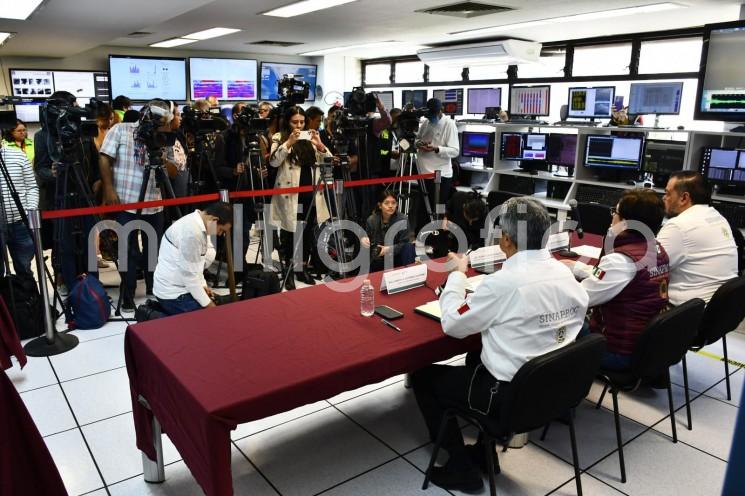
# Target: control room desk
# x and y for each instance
(201, 374)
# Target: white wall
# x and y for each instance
(340, 74)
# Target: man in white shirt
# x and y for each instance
(437, 144)
(698, 240)
(185, 252)
(530, 307)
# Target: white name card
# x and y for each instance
(399, 280)
(558, 241)
(488, 255)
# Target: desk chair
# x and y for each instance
(723, 314)
(496, 198)
(663, 343)
(595, 217)
(543, 389)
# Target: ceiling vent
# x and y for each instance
(466, 10)
(138, 34)
(274, 43)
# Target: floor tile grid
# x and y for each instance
(78, 427)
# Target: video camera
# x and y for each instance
(407, 124)
(361, 103)
(151, 119)
(292, 89)
(201, 122)
(248, 120)
(64, 123)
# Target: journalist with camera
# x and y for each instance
(127, 152)
(202, 131)
(66, 160)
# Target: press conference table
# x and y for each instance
(199, 375)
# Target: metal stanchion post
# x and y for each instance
(52, 343)
(438, 180)
(225, 198)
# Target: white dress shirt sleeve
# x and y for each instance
(671, 239)
(614, 272)
(462, 316)
(450, 147)
(192, 268)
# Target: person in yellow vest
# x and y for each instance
(17, 137)
(120, 105)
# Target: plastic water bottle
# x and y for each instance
(367, 299)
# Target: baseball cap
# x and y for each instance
(434, 107)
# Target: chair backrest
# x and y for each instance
(666, 339)
(725, 311)
(549, 385)
(595, 217)
(496, 198)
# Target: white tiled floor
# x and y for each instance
(372, 441)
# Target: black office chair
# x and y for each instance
(496, 198)
(595, 217)
(723, 314)
(543, 389)
(663, 343)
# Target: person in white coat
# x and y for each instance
(295, 157)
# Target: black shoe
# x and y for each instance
(128, 304)
(659, 382)
(468, 481)
(305, 277)
(290, 282)
(478, 458)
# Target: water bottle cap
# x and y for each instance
(366, 281)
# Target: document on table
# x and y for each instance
(587, 251)
(474, 282)
(431, 310)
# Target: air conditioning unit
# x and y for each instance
(495, 52)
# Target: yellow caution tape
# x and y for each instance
(720, 359)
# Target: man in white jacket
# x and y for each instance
(532, 306)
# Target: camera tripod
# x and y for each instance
(407, 167)
(201, 157)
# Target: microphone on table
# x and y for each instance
(578, 229)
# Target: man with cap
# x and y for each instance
(437, 144)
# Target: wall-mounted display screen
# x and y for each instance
(452, 100)
(530, 100)
(145, 78)
(32, 83)
(273, 72)
(721, 86)
(480, 98)
(227, 79)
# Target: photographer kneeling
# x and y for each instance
(186, 251)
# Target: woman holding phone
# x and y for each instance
(294, 154)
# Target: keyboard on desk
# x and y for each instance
(598, 194)
(733, 212)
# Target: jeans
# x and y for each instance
(182, 304)
(21, 247)
(134, 255)
(610, 360)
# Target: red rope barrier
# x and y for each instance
(75, 212)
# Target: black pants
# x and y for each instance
(287, 243)
(446, 186)
(439, 387)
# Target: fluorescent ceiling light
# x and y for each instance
(174, 42)
(303, 7)
(603, 14)
(210, 33)
(376, 44)
(18, 9)
(4, 37)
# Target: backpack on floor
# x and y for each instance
(258, 282)
(21, 295)
(88, 304)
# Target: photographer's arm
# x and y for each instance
(192, 270)
(280, 151)
(449, 147)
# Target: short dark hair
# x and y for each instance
(64, 96)
(693, 183)
(121, 102)
(642, 205)
(223, 212)
(313, 113)
(474, 208)
(131, 115)
(237, 108)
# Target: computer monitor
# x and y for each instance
(28, 111)
(272, 73)
(386, 97)
(530, 100)
(655, 98)
(591, 103)
(614, 152)
(418, 98)
(480, 98)
(562, 149)
(452, 100)
(144, 78)
(523, 146)
(227, 79)
(721, 87)
(477, 145)
(662, 158)
(724, 166)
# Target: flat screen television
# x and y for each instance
(530, 100)
(723, 166)
(227, 79)
(591, 103)
(524, 146)
(418, 98)
(721, 86)
(656, 98)
(614, 152)
(452, 100)
(273, 72)
(144, 78)
(28, 111)
(562, 149)
(480, 98)
(477, 145)
(387, 98)
(32, 83)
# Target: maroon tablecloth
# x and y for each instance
(10, 344)
(204, 373)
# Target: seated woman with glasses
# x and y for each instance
(385, 217)
(628, 286)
